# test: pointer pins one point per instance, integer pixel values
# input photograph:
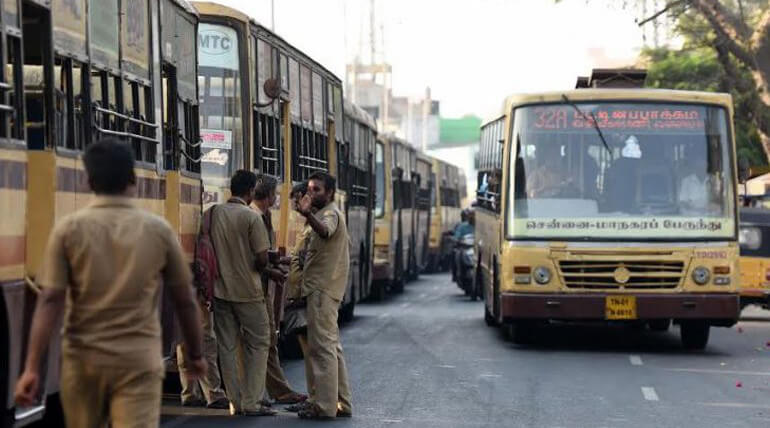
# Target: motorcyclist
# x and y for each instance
(465, 227)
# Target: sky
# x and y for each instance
(471, 53)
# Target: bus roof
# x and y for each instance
(359, 114)
(591, 94)
(216, 9)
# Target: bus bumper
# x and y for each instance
(381, 271)
(720, 309)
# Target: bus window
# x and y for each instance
(379, 168)
(220, 108)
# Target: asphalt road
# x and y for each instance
(425, 359)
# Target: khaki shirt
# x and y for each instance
(298, 264)
(238, 234)
(112, 258)
(328, 260)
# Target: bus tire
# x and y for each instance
(489, 319)
(660, 326)
(695, 334)
(378, 291)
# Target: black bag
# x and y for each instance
(295, 318)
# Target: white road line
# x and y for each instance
(446, 366)
(649, 393)
(730, 372)
(737, 405)
(392, 421)
(636, 360)
(490, 375)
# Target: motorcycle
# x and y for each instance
(465, 265)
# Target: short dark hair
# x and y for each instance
(242, 182)
(298, 189)
(330, 183)
(110, 166)
(265, 186)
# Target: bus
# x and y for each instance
(75, 72)
(356, 178)
(609, 205)
(422, 214)
(268, 107)
(395, 162)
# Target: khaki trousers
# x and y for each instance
(207, 388)
(93, 396)
(244, 327)
(327, 361)
(302, 340)
(276, 383)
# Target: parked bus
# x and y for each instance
(612, 205)
(395, 161)
(75, 73)
(268, 107)
(422, 213)
(356, 178)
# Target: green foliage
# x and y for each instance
(698, 69)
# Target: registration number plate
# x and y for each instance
(620, 307)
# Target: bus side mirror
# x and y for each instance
(744, 170)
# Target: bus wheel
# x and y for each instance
(695, 334)
(520, 332)
(660, 326)
(378, 291)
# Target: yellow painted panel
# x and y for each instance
(172, 201)
(189, 218)
(13, 155)
(41, 182)
(10, 273)
(14, 203)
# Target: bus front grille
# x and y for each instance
(635, 274)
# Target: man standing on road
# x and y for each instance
(325, 275)
(106, 263)
(273, 281)
(240, 312)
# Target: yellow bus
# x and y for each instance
(609, 205)
(395, 161)
(422, 214)
(268, 107)
(356, 178)
(75, 72)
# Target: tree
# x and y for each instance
(738, 31)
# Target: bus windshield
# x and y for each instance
(664, 173)
(379, 168)
(220, 101)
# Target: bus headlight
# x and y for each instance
(542, 275)
(701, 275)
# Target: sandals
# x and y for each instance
(262, 411)
(291, 398)
(313, 412)
(295, 408)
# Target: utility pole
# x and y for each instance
(272, 15)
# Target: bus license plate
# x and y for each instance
(620, 307)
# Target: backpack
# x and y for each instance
(206, 267)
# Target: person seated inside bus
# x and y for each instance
(655, 183)
(696, 187)
(550, 178)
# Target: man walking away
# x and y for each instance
(241, 242)
(106, 263)
(273, 281)
(325, 275)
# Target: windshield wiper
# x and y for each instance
(593, 120)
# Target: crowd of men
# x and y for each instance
(105, 265)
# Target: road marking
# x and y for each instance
(490, 375)
(649, 393)
(386, 314)
(737, 405)
(636, 360)
(446, 366)
(392, 421)
(714, 371)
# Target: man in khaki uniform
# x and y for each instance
(325, 277)
(108, 261)
(240, 313)
(273, 280)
